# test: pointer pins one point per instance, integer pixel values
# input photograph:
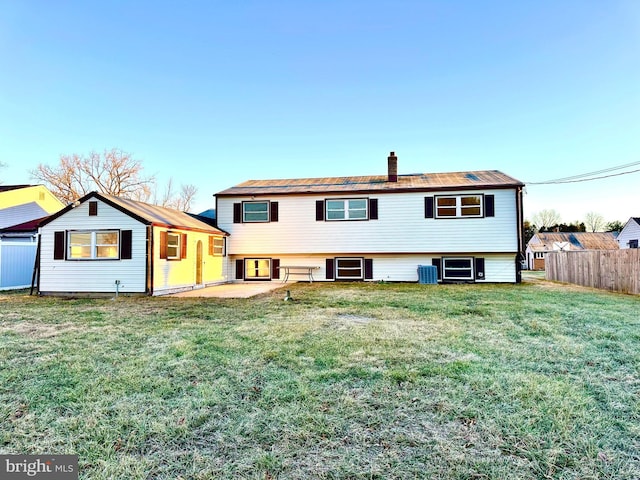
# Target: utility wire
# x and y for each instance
(586, 177)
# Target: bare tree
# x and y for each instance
(179, 201)
(594, 222)
(113, 172)
(546, 218)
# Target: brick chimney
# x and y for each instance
(392, 162)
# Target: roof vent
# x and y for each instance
(392, 162)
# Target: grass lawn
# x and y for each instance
(366, 381)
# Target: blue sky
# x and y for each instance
(215, 93)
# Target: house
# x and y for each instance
(109, 245)
(380, 227)
(23, 203)
(21, 208)
(630, 233)
(543, 242)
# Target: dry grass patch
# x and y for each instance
(348, 381)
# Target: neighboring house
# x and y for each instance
(21, 208)
(106, 244)
(467, 224)
(630, 234)
(23, 203)
(543, 242)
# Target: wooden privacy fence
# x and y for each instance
(615, 270)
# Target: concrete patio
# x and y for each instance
(232, 290)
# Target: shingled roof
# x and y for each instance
(574, 241)
(147, 213)
(375, 183)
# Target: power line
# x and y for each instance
(587, 177)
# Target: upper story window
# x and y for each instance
(262, 211)
(459, 206)
(347, 209)
(255, 212)
(633, 243)
(93, 245)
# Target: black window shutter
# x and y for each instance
(437, 262)
(273, 212)
(58, 245)
(237, 213)
(125, 244)
(239, 269)
(329, 268)
(319, 210)
(489, 206)
(479, 268)
(275, 268)
(93, 209)
(428, 207)
(373, 209)
(368, 269)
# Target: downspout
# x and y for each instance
(520, 214)
(149, 261)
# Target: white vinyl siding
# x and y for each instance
(629, 235)
(93, 276)
(400, 268)
(400, 228)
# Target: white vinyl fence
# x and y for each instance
(16, 263)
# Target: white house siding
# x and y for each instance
(400, 228)
(396, 268)
(178, 275)
(93, 275)
(631, 231)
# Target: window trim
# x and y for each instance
(458, 206)
(471, 269)
(256, 278)
(346, 210)
(254, 202)
(93, 245)
(178, 246)
(337, 268)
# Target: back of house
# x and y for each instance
(375, 228)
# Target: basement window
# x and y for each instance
(349, 269)
(458, 268)
(257, 269)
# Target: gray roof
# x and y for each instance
(148, 213)
(376, 183)
(20, 214)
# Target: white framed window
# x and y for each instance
(454, 206)
(255, 212)
(93, 245)
(347, 209)
(349, 268)
(173, 246)
(257, 269)
(457, 268)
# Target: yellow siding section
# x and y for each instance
(38, 194)
(174, 275)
